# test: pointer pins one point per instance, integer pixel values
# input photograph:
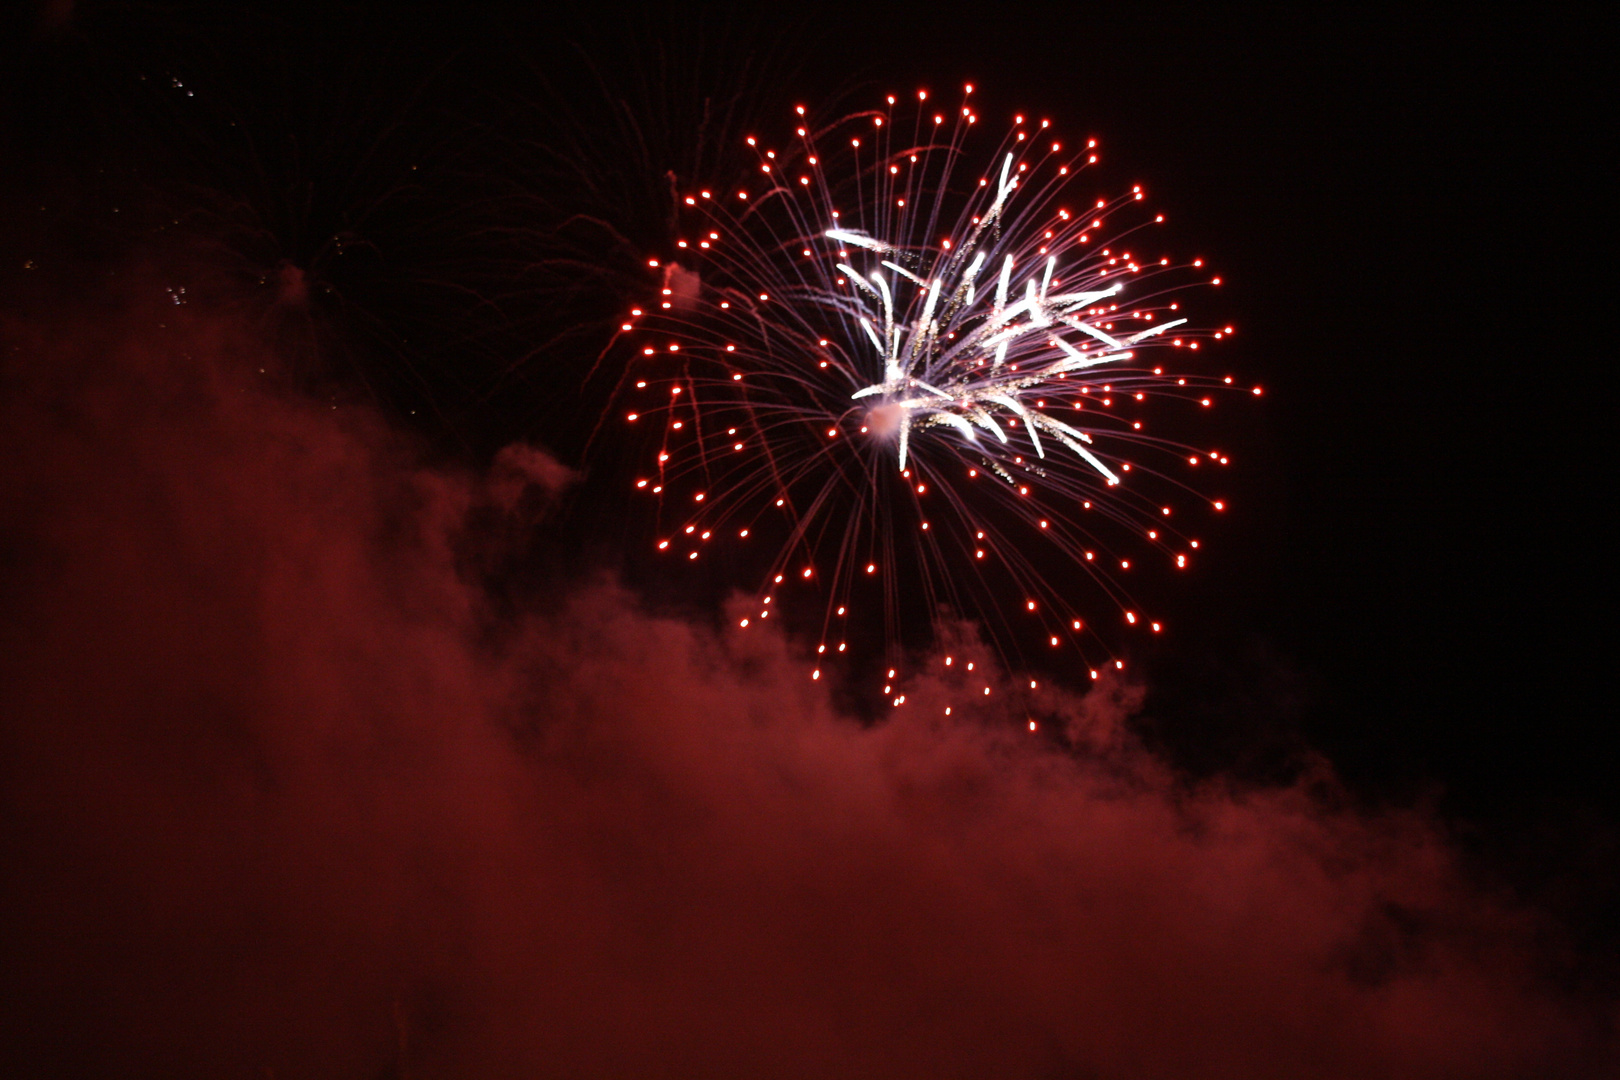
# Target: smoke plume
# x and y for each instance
(288, 793)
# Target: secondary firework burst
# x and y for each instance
(922, 387)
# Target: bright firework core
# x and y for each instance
(886, 420)
(868, 303)
(968, 361)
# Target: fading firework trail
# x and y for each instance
(907, 379)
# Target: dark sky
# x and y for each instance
(346, 734)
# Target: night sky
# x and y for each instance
(349, 730)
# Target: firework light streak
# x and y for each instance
(917, 374)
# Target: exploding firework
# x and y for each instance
(921, 387)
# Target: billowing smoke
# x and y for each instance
(287, 794)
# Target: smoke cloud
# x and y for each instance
(287, 794)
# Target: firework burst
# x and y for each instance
(922, 387)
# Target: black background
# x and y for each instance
(1411, 211)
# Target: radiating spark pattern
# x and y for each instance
(913, 377)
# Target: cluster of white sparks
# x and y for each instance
(839, 325)
(957, 364)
